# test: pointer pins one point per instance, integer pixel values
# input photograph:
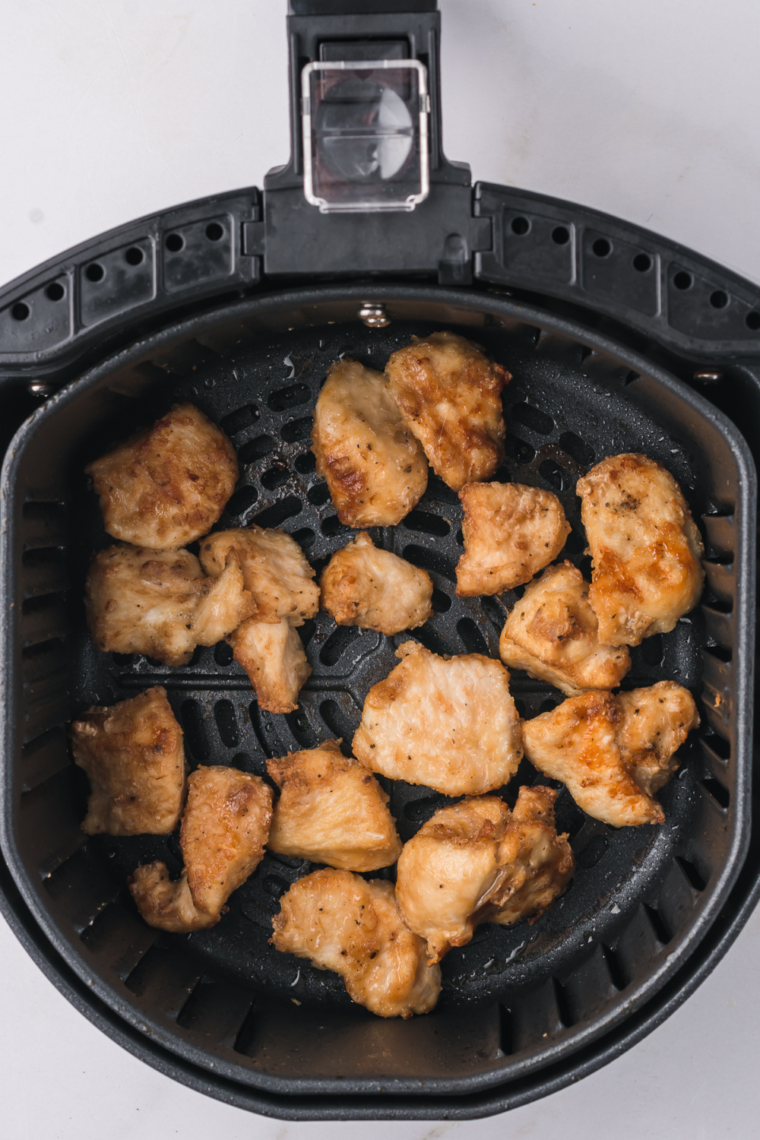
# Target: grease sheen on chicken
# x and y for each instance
(614, 752)
(552, 634)
(375, 589)
(645, 545)
(225, 826)
(331, 810)
(448, 723)
(275, 571)
(449, 394)
(510, 531)
(274, 659)
(344, 923)
(159, 603)
(374, 467)
(476, 861)
(134, 758)
(167, 485)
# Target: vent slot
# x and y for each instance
(226, 723)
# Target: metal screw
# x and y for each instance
(40, 388)
(373, 315)
(708, 377)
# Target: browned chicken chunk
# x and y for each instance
(374, 467)
(614, 752)
(552, 634)
(159, 603)
(273, 658)
(646, 549)
(275, 571)
(168, 485)
(447, 722)
(134, 758)
(225, 826)
(510, 533)
(331, 810)
(344, 923)
(476, 862)
(375, 589)
(449, 394)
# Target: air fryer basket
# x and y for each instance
(515, 999)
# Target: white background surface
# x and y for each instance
(110, 109)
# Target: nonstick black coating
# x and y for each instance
(514, 995)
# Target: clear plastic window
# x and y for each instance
(365, 134)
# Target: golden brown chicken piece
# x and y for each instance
(552, 634)
(167, 485)
(476, 862)
(449, 394)
(159, 603)
(344, 923)
(225, 826)
(510, 533)
(447, 722)
(273, 658)
(275, 571)
(375, 589)
(331, 810)
(134, 758)
(646, 548)
(610, 765)
(374, 467)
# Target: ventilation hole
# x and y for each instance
(275, 515)
(298, 724)
(593, 852)
(174, 242)
(306, 463)
(752, 321)
(576, 543)
(472, 638)
(266, 733)
(520, 226)
(95, 271)
(658, 924)
(519, 450)
(720, 652)
(55, 292)
(494, 611)
(554, 474)
(506, 1031)
(431, 561)
(533, 418)
(460, 536)
(642, 262)
(275, 886)
(256, 449)
(223, 654)
(439, 491)
(20, 311)
(615, 968)
(338, 643)
(419, 811)
(585, 352)
(691, 873)
(338, 724)
(332, 527)
(683, 280)
(564, 1008)
(602, 247)
(296, 430)
(426, 523)
(718, 299)
(291, 397)
(549, 705)
(274, 478)
(577, 448)
(520, 707)
(431, 640)
(569, 817)
(214, 232)
(195, 732)
(240, 420)
(318, 495)
(308, 629)
(717, 744)
(440, 602)
(630, 377)
(226, 722)
(134, 255)
(717, 791)
(305, 538)
(652, 649)
(240, 502)
(560, 235)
